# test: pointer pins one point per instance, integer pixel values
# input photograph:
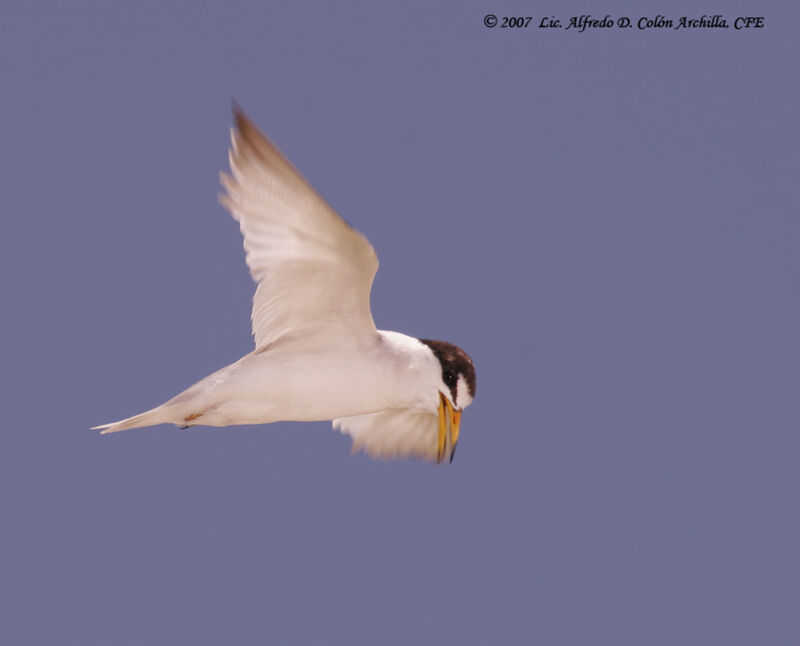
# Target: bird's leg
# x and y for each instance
(190, 418)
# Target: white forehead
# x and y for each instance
(463, 398)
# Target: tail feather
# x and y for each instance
(158, 415)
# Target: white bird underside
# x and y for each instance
(318, 355)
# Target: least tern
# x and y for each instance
(318, 355)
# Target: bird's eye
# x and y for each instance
(449, 378)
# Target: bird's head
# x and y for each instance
(456, 391)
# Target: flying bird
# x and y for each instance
(318, 355)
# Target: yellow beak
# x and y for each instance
(449, 425)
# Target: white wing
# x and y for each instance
(314, 271)
(394, 433)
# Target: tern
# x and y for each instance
(318, 355)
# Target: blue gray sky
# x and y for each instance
(607, 222)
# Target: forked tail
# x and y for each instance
(158, 415)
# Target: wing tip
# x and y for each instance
(248, 143)
(246, 129)
(239, 117)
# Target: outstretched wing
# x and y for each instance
(395, 433)
(313, 270)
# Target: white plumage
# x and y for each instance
(317, 352)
